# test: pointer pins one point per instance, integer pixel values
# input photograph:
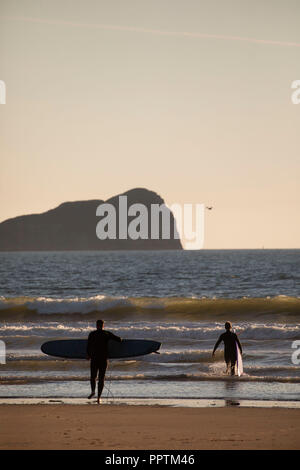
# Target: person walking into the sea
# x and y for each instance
(230, 353)
(97, 352)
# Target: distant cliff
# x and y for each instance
(72, 226)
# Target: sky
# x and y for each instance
(190, 99)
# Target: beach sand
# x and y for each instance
(147, 427)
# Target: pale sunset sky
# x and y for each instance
(189, 98)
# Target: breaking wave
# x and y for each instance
(278, 308)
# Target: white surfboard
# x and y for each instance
(239, 361)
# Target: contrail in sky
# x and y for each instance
(157, 32)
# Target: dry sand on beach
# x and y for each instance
(147, 427)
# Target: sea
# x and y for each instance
(179, 298)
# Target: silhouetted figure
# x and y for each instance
(97, 351)
(230, 353)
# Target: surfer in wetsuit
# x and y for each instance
(230, 353)
(97, 352)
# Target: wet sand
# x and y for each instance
(147, 427)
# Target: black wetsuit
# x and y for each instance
(97, 350)
(230, 354)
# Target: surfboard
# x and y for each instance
(239, 361)
(76, 348)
